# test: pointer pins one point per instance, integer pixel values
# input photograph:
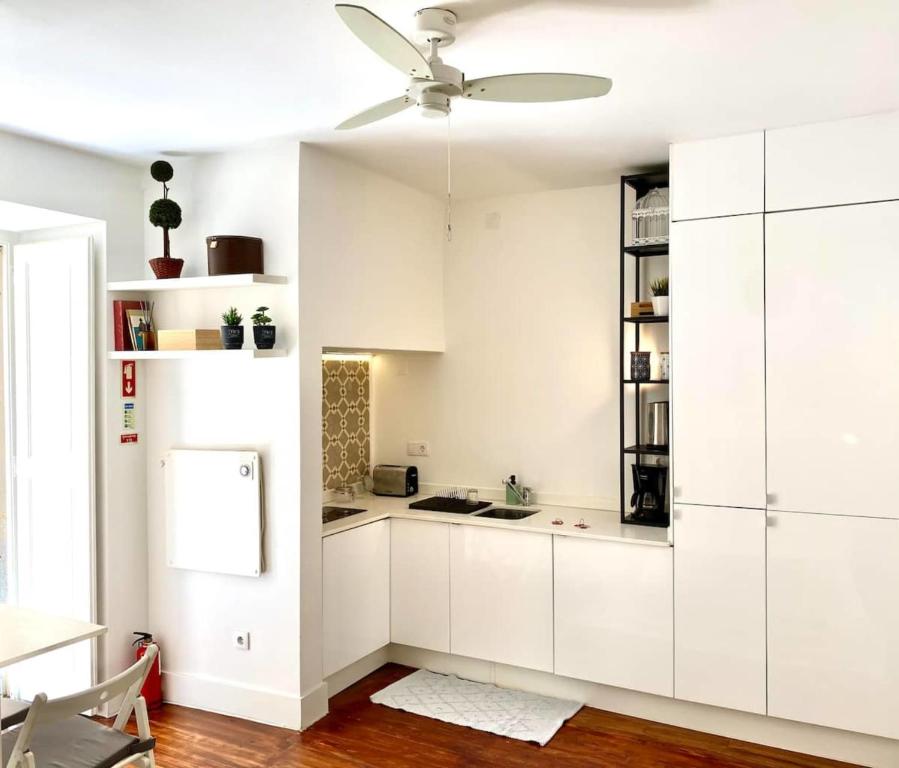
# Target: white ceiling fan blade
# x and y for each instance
(385, 41)
(378, 112)
(540, 86)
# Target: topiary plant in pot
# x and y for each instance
(232, 330)
(165, 213)
(263, 332)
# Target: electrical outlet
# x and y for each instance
(241, 640)
(418, 448)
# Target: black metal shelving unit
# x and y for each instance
(631, 257)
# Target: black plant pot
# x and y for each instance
(232, 336)
(264, 336)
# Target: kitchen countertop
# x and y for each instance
(603, 525)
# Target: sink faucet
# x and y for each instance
(523, 496)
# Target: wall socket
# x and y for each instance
(418, 448)
(241, 640)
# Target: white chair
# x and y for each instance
(55, 735)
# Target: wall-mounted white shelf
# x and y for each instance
(193, 283)
(195, 354)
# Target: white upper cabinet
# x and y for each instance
(419, 584)
(719, 606)
(833, 620)
(833, 373)
(718, 362)
(613, 614)
(502, 596)
(355, 594)
(718, 177)
(846, 161)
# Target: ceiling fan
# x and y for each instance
(434, 84)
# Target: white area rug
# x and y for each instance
(515, 714)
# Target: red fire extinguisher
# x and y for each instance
(152, 690)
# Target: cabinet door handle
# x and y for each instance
(770, 521)
(771, 498)
(676, 492)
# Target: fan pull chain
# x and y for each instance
(449, 183)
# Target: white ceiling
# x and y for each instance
(137, 78)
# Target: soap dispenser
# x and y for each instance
(512, 491)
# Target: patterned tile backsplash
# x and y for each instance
(346, 431)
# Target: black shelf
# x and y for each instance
(641, 251)
(629, 396)
(646, 319)
(646, 450)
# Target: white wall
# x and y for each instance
(49, 176)
(231, 404)
(370, 278)
(529, 381)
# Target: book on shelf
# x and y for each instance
(121, 324)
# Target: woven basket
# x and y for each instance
(166, 268)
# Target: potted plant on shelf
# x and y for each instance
(232, 330)
(165, 213)
(263, 331)
(659, 290)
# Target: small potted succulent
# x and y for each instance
(232, 330)
(263, 331)
(659, 290)
(165, 213)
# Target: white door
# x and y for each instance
(833, 373)
(501, 601)
(718, 362)
(833, 620)
(719, 606)
(420, 584)
(52, 457)
(613, 614)
(355, 594)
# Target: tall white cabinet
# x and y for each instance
(718, 361)
(785, 421)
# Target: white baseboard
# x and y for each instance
(784, 734)
(262, 705)
(313, 705)
(347, 676)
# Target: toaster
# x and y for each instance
(394, 480)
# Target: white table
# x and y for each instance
(25, 633)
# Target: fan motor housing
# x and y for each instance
(435, 24)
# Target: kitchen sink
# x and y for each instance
(504, 513)
(330, 514)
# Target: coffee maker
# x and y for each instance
(648, 498)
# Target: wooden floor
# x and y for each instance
(358, 733)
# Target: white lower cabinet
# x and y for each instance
(420, 584)
(355, 594)
(613, 609)
(502, 596)
(833, 621)
(719, 606)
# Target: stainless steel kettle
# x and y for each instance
(657, 423)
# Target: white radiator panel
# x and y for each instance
(214, 511)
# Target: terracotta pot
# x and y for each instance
(165, 268)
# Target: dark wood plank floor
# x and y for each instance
(360, 734)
